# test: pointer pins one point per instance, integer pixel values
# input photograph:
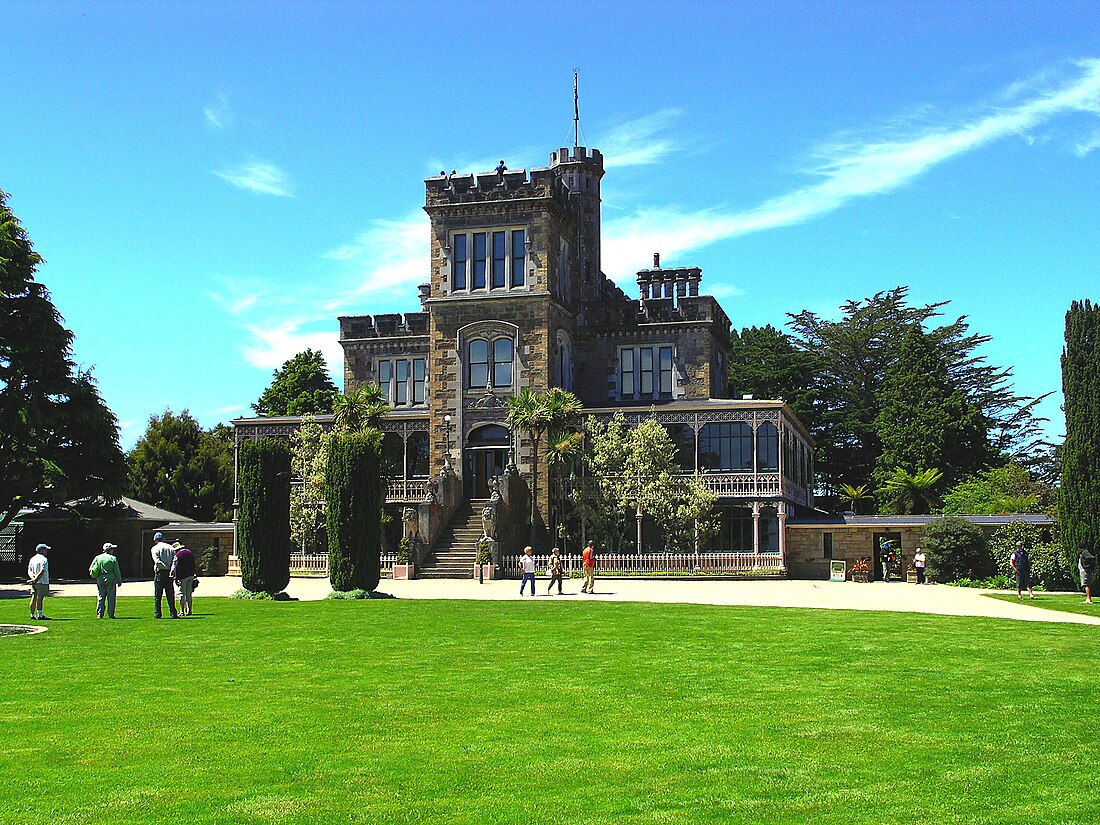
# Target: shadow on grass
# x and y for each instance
(1062, 602)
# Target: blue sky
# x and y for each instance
(212, 184)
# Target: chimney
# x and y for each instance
(656, 260)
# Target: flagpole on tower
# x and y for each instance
(576, 112)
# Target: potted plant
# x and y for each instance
(483, 562)
(403, 567)
(861, 571)
(911, 575)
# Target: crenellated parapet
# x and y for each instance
(389, 325)
(484, 187)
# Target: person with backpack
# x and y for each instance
(1021, 563)
(104, 569)
(183, 572)
(1086, 563)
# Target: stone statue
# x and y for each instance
(411, 519)
(489, 521)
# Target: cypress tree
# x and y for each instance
(354, 495)
(263, 528)
(1079, 498)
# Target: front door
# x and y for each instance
(482, 466)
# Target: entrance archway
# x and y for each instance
(486, 455)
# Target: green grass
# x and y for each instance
(1064, 602)
(544, 711)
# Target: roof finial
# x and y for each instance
(576, 112)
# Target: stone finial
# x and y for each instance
(656, 260)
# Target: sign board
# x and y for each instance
(838, 570)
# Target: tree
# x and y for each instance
(853, 495)
(359, 410)
(1079, 499)
(534, 414)
(1007, 489)
(308, 459)
(909, 493)
(925, 421)
(302, 385)
(1053, 567)
(766, 363)
(855, 354)
(181, 467)
(263, 527)
(354, 494)
(957, 549)
(58, 440)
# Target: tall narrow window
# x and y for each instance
(385, 378)
(502, 362)
(479, 364)
(665, 363)
(459, 261)
(645, 368)
(519, 257)
(500, 260)
(402, 396)
(767, 448)
(626, 370)
(419, 372)
(477, 281)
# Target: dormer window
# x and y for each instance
(488, 260)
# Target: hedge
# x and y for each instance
(263, 527)
(354, 494)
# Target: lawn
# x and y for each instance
(1064, 602)
(544, 711)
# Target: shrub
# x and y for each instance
(1052, 568)
(263, 528)
(354, 494)
(404, 549)
(245, 593)
(995, 582)
(348, 595)
(957, 549)
(208, 561)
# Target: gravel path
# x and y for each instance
(896, 596)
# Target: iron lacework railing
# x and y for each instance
(723, 485)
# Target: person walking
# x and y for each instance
(38, 574)
(527, 563)
(1086, 563)
(104, 569)
(588, 562)
(162, 554)
(1021, 563)
(920, 561)
(555, 570)
(183, 573)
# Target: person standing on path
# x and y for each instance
(588, 562)
(38, 574)
(162, 554)
(183, 573)
(1086, 563)
(108, 577)
(1021, 563)
(920, 561)
(527, 563)
(555, 570)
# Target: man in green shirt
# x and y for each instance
(107, 577)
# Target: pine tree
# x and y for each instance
(1080, 493)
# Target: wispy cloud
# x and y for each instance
(260, 177)
(847, 170)
(639, 142)
(220, 115)
(389, 254)
(229, 410)
(1089, 144)
(274, 344)
(238, 295)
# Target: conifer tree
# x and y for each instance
(1080, 493)
(263, 527)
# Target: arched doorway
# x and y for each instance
(486, 455)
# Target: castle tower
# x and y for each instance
(581, 170)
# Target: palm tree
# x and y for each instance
(361, 409)
(854, 495)
(912, 493)
(534, 414)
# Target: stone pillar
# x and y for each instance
(781, 509)
(756, 528)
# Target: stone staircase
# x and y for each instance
(456, 550)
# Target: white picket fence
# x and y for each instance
(659, 563)
(313, 564)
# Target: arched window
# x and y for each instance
(767, 448)
(416, 455)
(726, 447)
(491, 435)
(478, 375)
(565, 362)
(503, 352)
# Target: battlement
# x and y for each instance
(389, 325)
(578, 154)
(483, 187)
(678, 282)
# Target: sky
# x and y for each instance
(213, 183)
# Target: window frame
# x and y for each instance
(652, 365)
(490, 259)
(491, 363)
(407, 391)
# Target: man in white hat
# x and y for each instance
(104, 570)
(163, 553)
(38, 574)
